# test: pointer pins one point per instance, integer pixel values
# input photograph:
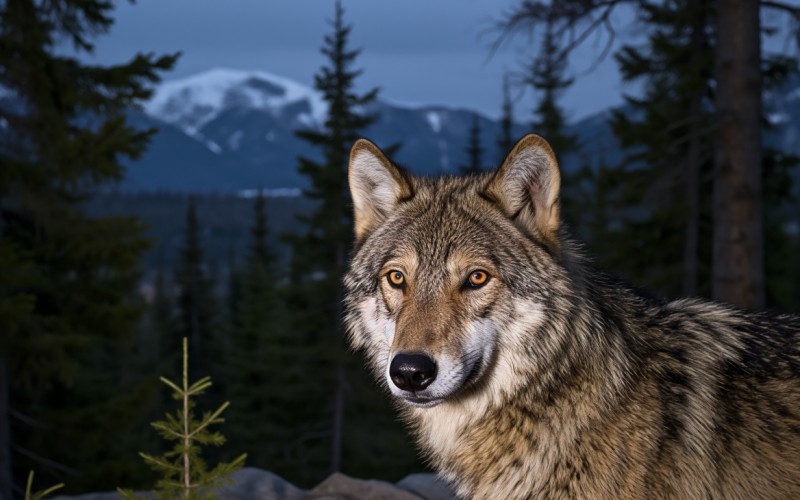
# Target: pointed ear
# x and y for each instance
(376, 186)
(526, 186)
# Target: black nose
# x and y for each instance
(412, 372)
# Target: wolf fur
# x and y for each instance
(554, 380)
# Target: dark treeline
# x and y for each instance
(93, 312)
(697, 206)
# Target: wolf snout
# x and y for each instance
(412, 371)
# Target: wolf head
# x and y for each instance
(450, 277)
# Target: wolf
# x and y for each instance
(524, 372)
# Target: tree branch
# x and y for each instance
(776, 5)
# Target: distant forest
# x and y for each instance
(97, 289)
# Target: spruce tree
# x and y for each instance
(735, 59)
(196, 303)
(263, 383)
(354, 415)
(184, 472)
(665, 200)
(546, 77)
(65, 134)
(474, 149)
(505, 141)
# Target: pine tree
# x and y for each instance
(731, 30)
(263, 383)
(474, 149)
(546, 76)
(184, 471)
(665, 201)
(197, 305)
(548, 81)
(162, 314)
(505, 141)
(64, 137)
(318, 262)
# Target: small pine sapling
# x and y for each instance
(185, 474)
(39, 494)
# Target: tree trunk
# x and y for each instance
(691, 248)
(337, 422)
(5, 432)
(738, 240)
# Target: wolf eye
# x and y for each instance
(477, 279)
(396, 279)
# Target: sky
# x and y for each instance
(416, 51)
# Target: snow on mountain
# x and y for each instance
(192, 102)
(234, 130)
(434, 120)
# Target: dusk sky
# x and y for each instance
(418, 52)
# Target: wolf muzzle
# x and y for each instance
(412, 371)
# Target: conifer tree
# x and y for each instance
(64, 136)
(162, 315)
(184, 471)
(546, 76)
(474, 149)
(548, 81)
(319, 259)
(263, 383)
(197, 306)
(665, 201)
(505, 141)
(736, 59)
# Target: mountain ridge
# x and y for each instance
(226, 130)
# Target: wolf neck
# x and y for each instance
(553, 402)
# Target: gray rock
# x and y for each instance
(257, 484)
(250, 483)
(427, 486)
(341, 487)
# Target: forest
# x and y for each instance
(95, 304)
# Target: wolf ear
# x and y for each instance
(376, 186)
(526, 186)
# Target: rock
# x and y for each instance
(341, 487)
(427, 486)
(257, 484)
(250, 483)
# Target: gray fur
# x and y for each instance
(563, 382)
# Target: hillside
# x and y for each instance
(226, 130)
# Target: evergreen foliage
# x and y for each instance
(197, 305)
(664, 203)
(161, 325)
(337, 412)
(505, 141)
(67, 278)
(38, 495)
(546, 77)
(665, 196)
(259, 369)
(184, 472)
(659, 209)
(474, 149)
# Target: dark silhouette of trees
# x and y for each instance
(65, 134)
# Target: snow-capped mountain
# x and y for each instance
(190, 103)
(232, 130)
(227, 129)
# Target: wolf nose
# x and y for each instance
(412, 372)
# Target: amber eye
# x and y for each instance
(396, 279)
(478, 278)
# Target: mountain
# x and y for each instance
(225, 131)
